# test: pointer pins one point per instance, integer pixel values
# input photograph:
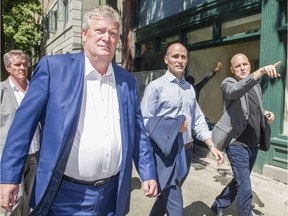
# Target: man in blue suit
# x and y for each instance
(92, 130)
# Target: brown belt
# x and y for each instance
(95, 183)
(188, 145)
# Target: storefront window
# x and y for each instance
(199, 35)
(154, 62)
(147, 47)
(166, 41)
(247, 24)
(201, 62)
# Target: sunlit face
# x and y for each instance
(18, 69)
(240, 66)
(101, 38)
(176, 59)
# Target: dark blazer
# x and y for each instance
(168, 148)
(54, 97)
(236, 111)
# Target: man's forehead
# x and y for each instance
(239, 59)
(18, 58)
(177, 48)
(104, 19)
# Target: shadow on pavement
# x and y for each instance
(199, 208)
(136, 184)
(224, 176)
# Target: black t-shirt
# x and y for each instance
(251, 135)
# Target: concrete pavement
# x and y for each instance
(206, 181)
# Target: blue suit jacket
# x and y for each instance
(168, 148)
(54, 98)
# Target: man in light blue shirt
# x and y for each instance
(170, 96)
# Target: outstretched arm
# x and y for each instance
(210, 75)
(218, 67)
(270, 70)
(201, 84)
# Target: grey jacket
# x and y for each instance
(8, 108)
(236, 110)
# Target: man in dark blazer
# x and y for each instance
(12, 92)
(239, 130)
(92, 130)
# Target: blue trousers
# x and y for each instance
(81, 200)
(242, 160)
(170, 199)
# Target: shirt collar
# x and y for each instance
(14, 87)
(89, 68)
(172, 78)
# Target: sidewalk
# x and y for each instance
(206, 181)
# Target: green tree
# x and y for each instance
(21, 26)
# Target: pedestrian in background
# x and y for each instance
(239, 130)
(13, 90)
(198, 87)
(171, 97)
(92, 129)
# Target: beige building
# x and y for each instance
(62, 25)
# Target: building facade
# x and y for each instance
(62, 25)
(212, 30)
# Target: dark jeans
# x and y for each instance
(242, 160)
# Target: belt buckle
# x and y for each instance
(101, 182)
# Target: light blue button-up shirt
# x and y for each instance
(169, 96)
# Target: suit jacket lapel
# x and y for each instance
(122, 94)
(73, 109)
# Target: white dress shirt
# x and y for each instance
(19, 95)
(97, 148)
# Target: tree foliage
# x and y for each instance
(21, 22)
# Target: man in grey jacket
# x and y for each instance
(239, 130)
(12, 92)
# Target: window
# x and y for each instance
(146, 47)
(45, 26)
(199, 35)
(153, 11)
(53, 21)
(201, 62)
(247, 24)
(65, 11)
(168, 40)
